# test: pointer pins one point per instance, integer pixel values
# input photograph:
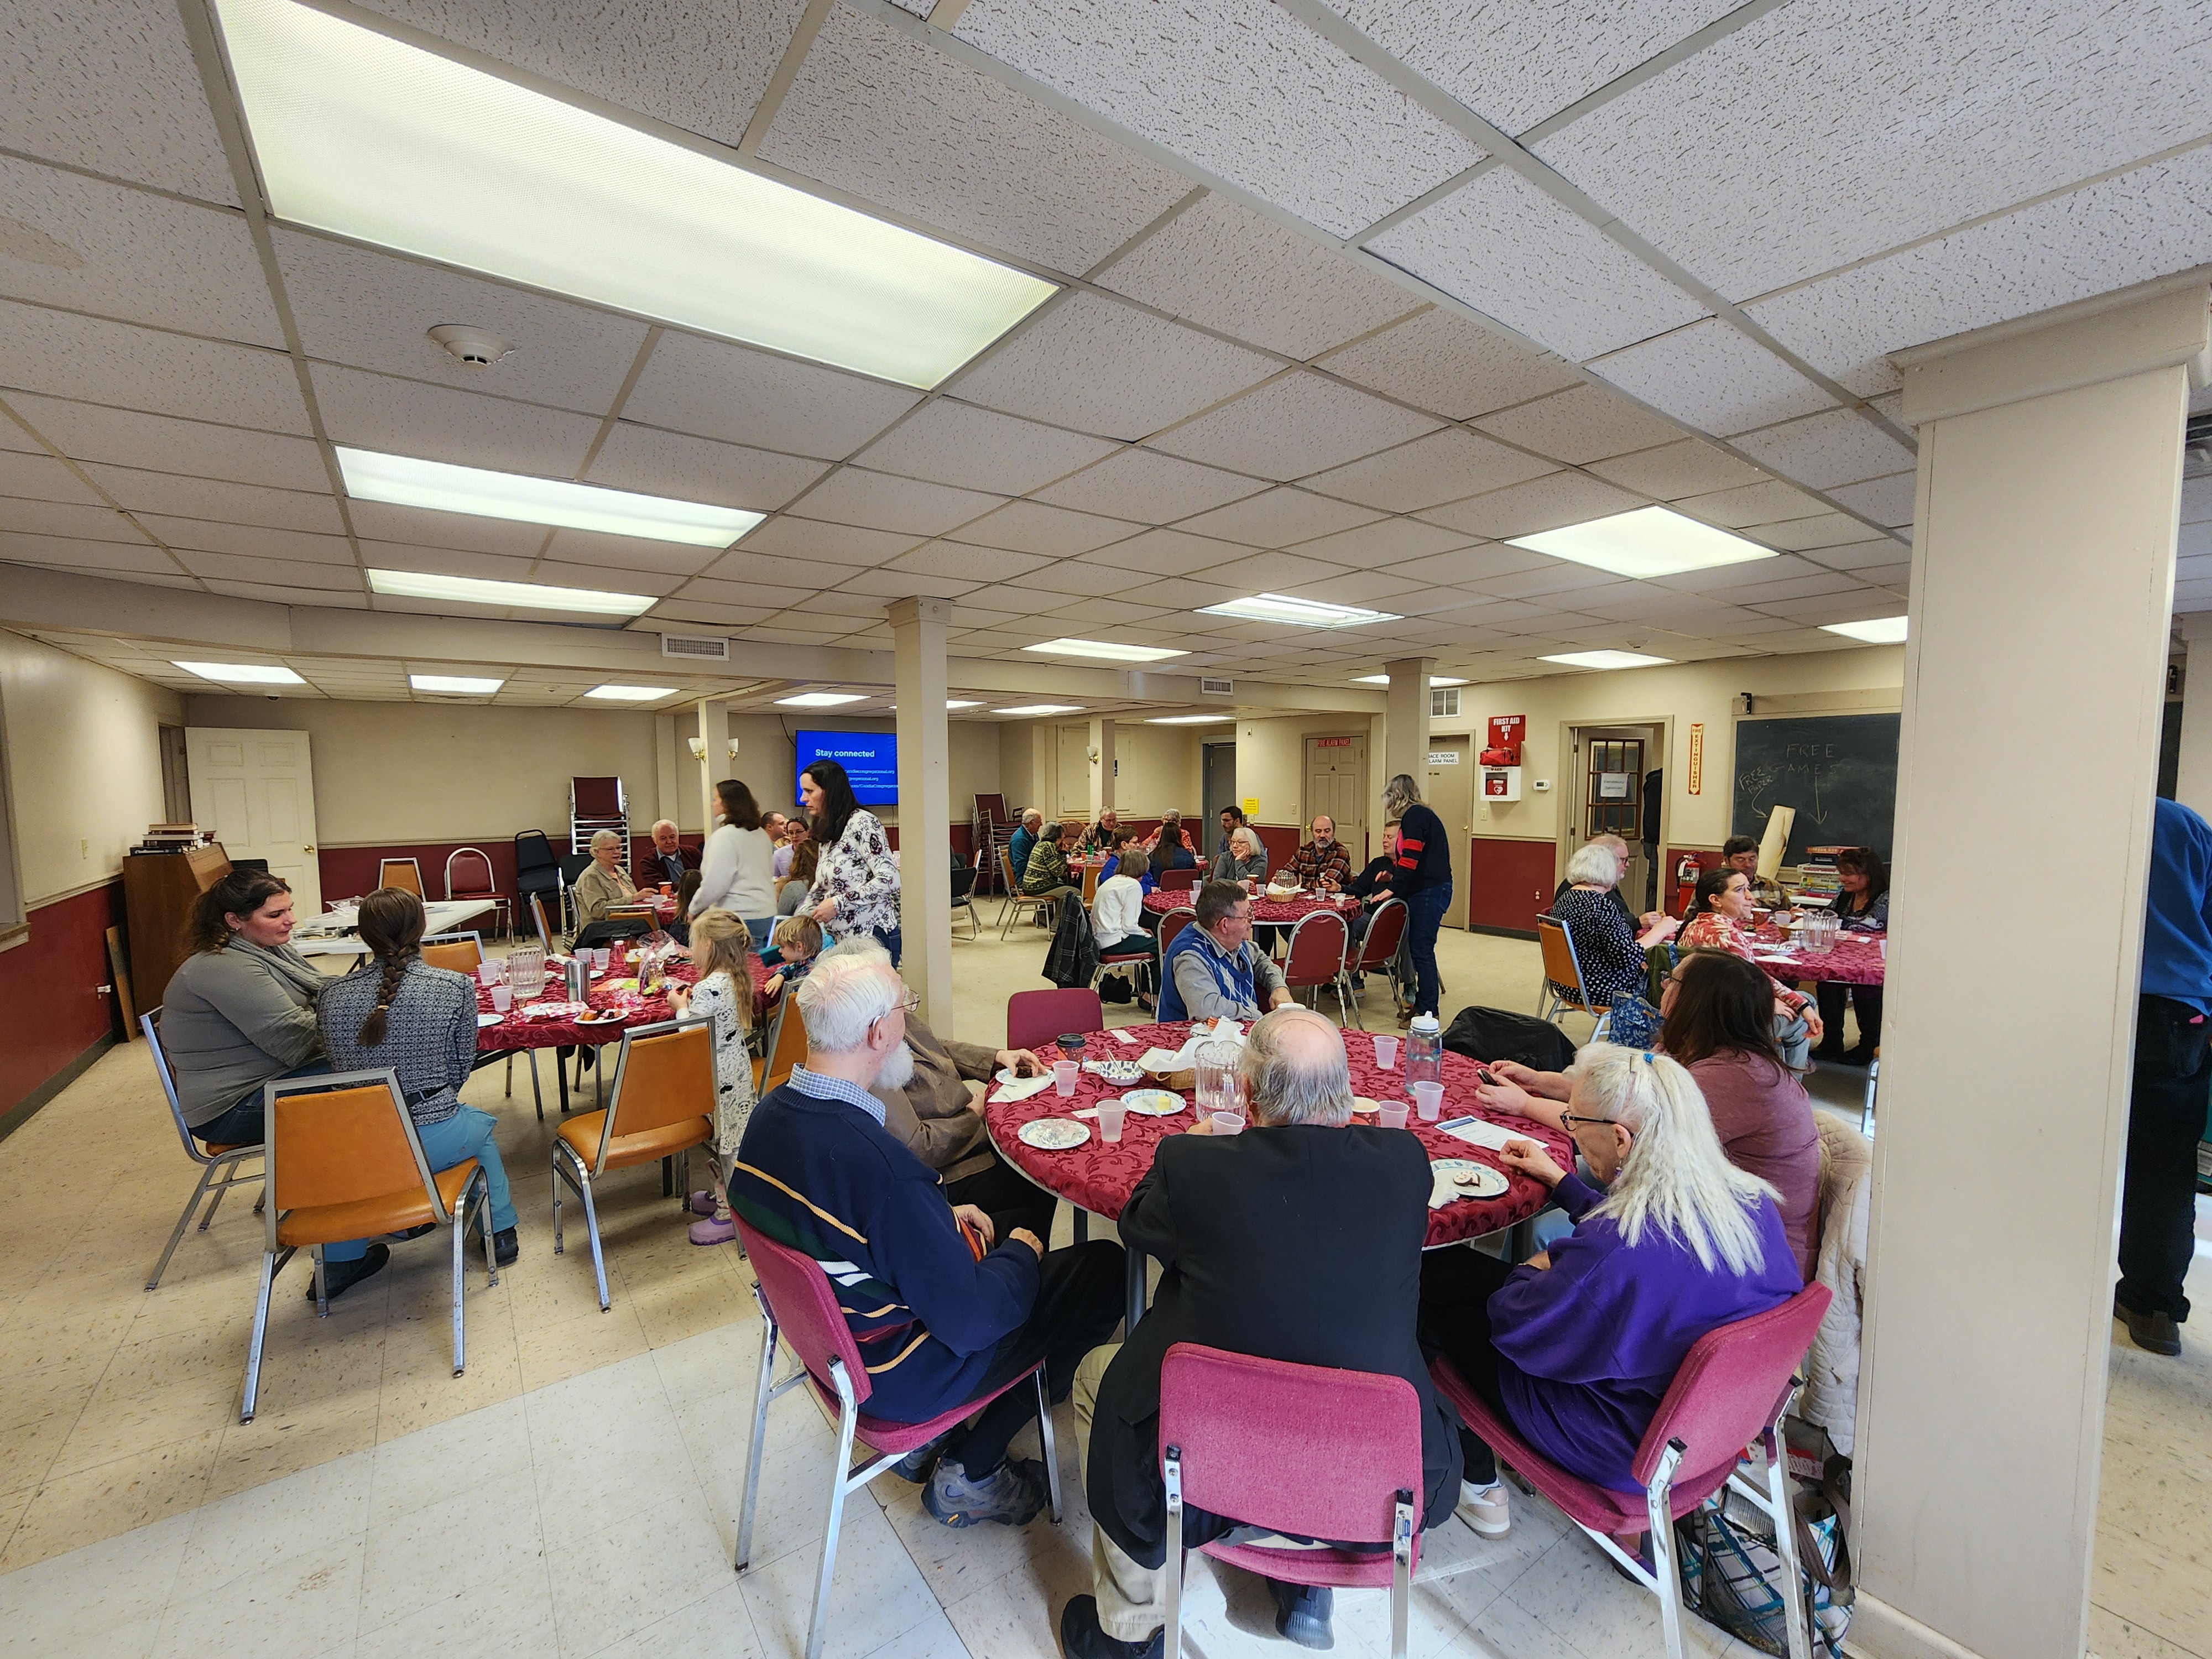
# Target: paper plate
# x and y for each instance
(1361, 1103)
(1153, 1103)
(486, 1021)
(1055, 1134)
(1467, 1178)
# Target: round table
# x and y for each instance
(1280, 912)
(1857, 959)
(1097, 1179)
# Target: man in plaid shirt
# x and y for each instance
(1321, 862)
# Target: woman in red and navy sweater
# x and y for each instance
(1423, 878)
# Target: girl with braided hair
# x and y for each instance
(394, 1011)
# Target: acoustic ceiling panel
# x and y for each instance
(1298, 424)
(1452, 367)
(652, 462)
(1443, 466)
(1822, 451)
(746, 397)
(1715, 377)
(68, 355)
(1051, 532)
(1143, 485)
(1278, 518)
(957, 443)
(212, 498)
(877, 500)
(1584, 423)
(437, 424)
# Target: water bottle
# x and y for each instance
(1424, 1051)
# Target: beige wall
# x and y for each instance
(1271, 759)
(1042, 763)
(84, 766)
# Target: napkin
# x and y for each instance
(1442, 1189)
(1161, 1060)
(1021, 1088)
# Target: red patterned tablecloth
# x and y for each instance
(517, 1031)
(1857, 959)
(1099, 1178)
(1279, 912)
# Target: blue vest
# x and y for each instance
(1232, 976)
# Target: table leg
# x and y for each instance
(561, 1071)
(1521, 1239)
(668, 1177)
(1136, 1310)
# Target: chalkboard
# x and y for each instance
(1839, 771)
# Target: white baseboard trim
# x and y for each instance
(1880, 1631)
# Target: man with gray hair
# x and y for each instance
(668, 860)
(938, 1322)
(1298, 1240)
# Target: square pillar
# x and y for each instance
(1406, 737)
(925, 770)
(713, 755)
(1101, 768)
(2042, 583)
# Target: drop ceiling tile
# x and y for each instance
(1386, 541)
(710, 616)
(408, 418)
(90, 521)
(1225, 267)
(1585, 423)
(1010, 606)
(970, 564)
(75, 553)
(1444, 363)
(422, 527)
(1714, 377)
(125, 367)
(1467, 566)
(88, 245)
(800, 588)
(373, 311)
(652, 462)
(743, 564)
(894, 122)
(40, 477)
(114, 88)
(1865, 554)
(1295, 425)
(1540, 504)
(1767, 503)
(1834, 607)
(831, 605)
(1054, 531)
(2196, 499)
(877, 500)
(1278, 518)
(275, 573)
(739, 396)
(1238, 88)
(1272, 573)
(1822, 451)
(1108, 608)
(622, 554)
(606, 579)
(789, 636)
(830, 544)
(1168, 553)
(1513, 253)
(1822, 529)
(1095, 364)
(906, 584)
(2141, 224)
(1441, 467)
(1555, 576)
(207, 498)
(1897, 578)
(1688, 468)
(91, 432)
(947, 441)
(253, 541)
(1149, 487)
(1897, 119)
(1727, 579)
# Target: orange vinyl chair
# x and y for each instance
(545, 935)
(462, 952)
(1011, 911)
(212, 1156)
(786, 1046)
(1319, 942)
(1563, 968)
(663, 1106)
(401, 873)
(344, 1162)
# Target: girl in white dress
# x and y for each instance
(722, 949)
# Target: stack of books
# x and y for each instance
(174, 838)
(1816, 876)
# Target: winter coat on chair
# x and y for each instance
(1073, 958)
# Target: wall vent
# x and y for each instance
(1444, 701)
(695, 647)
(1208, 687)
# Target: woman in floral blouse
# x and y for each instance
(1717, 916)
(856, 887)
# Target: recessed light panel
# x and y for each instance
(1384, 679)
(953, 703)
(631, 693)
(242, 673)
(1190, 720)
(821, 699)
(481, 590)
(1304, 613)
(1105, 649)
(1607, 660)
(1652, 541)
(1881, 630)
(403, 481)
(381, 140)
(454, 685)
(1043, 708)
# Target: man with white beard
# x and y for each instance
(938, 1322)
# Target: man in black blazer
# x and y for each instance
(1298, 1240)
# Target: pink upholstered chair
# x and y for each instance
(1303, 1450)
(1734, 1385)
(1038, 1016)
(798, 1304)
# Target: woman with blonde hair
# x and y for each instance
(722, 949)
(1576, 1348)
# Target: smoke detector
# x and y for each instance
(475, 348)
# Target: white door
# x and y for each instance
(256, 790)
(1336, 783)
(1449, 792)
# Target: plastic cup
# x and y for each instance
(1229, 1123)
(1428, 1100)
(1063, 1077)
(1391, 1113)
(1112, 1112)
(1386, 1051)
(486, 974)
(502, 997)
(600, 955)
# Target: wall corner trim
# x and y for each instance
(1880, 1631)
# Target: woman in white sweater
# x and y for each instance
(737, 867)
(1117, 910)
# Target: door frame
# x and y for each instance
(1463, 833)
(1305, 800)
(1569, 835)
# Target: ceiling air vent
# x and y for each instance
(1209, 687)
(695, 647)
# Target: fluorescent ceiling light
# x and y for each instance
(245, 673)
(381, 140)
(1189, 719)
(1306, 613)
(631, 693)
(1107, 649)
(1607, 660)
(821, 699)
(479, 590)
(457, 685)
(1652, 541)
(406, 482)
(1881, 630)
(1384, 679)
(951, 703)
(1043, 708)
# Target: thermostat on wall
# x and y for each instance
(1540, 785)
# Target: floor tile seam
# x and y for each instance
(2126, 1618)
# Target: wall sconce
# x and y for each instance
(699, 748)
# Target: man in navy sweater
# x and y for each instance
(935, 1325)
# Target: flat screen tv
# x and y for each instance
(870, 760)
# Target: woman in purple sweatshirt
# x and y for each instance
(1576, 1348)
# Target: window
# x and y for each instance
(1443, 700)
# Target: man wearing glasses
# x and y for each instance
(938, 1322)
(1213, 970)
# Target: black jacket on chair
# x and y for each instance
(1295, 1243)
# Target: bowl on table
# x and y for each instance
(1116, 1073)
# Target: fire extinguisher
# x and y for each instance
(1686, 883)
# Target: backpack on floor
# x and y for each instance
(1499, 1034)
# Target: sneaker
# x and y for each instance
(339, 1276)
(916, 1465)
(1485, 1508)
(701, 1203)
(1013, 1495)
(505, 1247)
(2155, 1332)
(1080, 1636)
(711, 1231)
(1302, 1613)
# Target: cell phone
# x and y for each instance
(976, 1245)
(1483, 1072)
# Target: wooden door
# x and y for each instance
(256, 790)
(1336, 783)
(1449, 789)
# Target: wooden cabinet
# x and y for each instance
(158, 891)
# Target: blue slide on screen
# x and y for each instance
(870, 760)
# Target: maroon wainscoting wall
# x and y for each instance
(1510, 883)
(51, 1009)
(1281, 840)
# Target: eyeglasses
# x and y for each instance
(1568, 1120)
(909, 999)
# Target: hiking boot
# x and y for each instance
(1014, 1494)
(339, 1276)
(1302, 1613)
(916, 1466)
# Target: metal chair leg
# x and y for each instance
(153, 1279)
(557, 1178)
(483, 1231)
(1794, 1619)
(536, 1095)
(1045, 1444)
(820, 1626)
(322, 1286)
(761, 1396)
(260, 1332)
(1659, 1517)
(1402, 1529)
(591, 1227)
(460, 1256)
(510, 1074)
(1171, 1562)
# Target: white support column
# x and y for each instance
(1101, 768)
(1406, 740)
(2193, 784)
(925, 804)
(713, 755)
(2049, 493)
